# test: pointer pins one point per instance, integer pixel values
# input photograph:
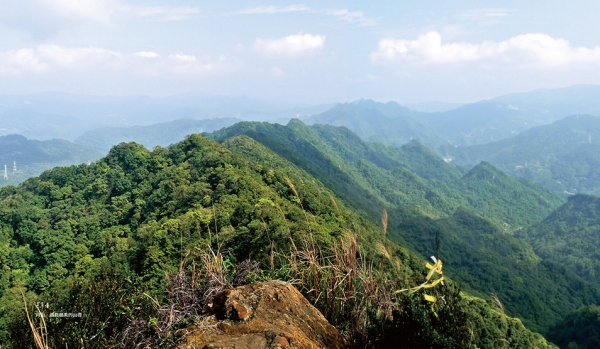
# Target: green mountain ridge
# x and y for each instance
(139, 212)
(476, 213)
(571, 236)
(32, 157)
(562, 156)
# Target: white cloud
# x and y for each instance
(45, 58)
(273, 9)
(531, 50)
(48, 59)
(290, 46)
(147, 54)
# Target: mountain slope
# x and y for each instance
(484, 203)
(110, 235)
(571, 236)
(388, 123)
(32, 157)
(562, 156)
(470, 124)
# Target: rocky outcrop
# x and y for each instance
(269, 314)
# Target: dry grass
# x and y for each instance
(384, 222)
(188, 294)
(343, 285)
(40, 333)
(500, 306)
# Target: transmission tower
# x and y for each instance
(5, 172)
(15, 166)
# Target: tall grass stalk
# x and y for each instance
(40, 334)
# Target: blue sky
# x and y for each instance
(306, 52)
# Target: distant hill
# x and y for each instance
(571, 236)
(432, 107)
(506, 116)
(162, 134)
(564, 156)
(470, 124)
(388, 123)
(51, 115)
(557, 102)
(32, 157)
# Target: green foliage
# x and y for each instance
(580, 329)
(142, 213)
(485, 260)
(570, 236)
(563, 156)
(477, 213)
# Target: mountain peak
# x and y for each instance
(485, 171)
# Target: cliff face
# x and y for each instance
(269, 314)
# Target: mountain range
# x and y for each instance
(266, 184)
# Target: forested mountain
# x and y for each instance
(475, 213)
(470, 124)
(263, 189)
(32, 157)
(392, 124)
(563, 156)
(581, 329)
(162, 134)
(388, 123)
(104, 239)
(571, 236)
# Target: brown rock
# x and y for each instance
(280, 342)
(265, 315)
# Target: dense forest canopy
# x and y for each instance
(141, 212)
(264, 189)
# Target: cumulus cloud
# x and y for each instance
(290, 46)
(536, 50)
(48, 59)
(45, 58)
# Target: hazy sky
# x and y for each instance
(303, 52)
